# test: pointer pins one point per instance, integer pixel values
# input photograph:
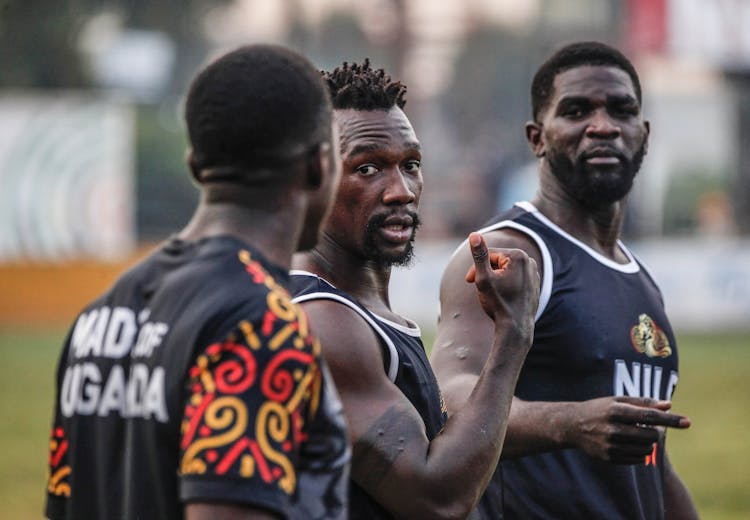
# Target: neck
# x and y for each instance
(598, 227)
(271, 228)
(360, 278)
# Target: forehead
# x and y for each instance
(592, 81)
(374, 130)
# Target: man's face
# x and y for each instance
(375, 212)
(593, 135)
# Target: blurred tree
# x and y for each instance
(37, 43)
(40, 47)
(182, 21)
(38, 38)
(686, 190)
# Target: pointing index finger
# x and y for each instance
(653, 417)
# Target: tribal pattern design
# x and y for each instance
(253, 393)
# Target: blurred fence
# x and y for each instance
(68, 183)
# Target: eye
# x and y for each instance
(367, 170)
(412, 166)
(574, 112)
(624, 111)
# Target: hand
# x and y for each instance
(621, 430)
(507, 282)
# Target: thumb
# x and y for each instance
(480, 254)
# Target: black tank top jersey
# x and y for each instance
(601, 330)
(404, 362)
(194, 378)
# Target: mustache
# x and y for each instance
(378, 220)
(603, 150)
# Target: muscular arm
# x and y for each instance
(462, 343)
(621, 430)
(393, 460)
(617, 429)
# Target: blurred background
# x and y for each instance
(92, 148)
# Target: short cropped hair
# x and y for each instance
(571, 56)
(361, 87)
(257, 106)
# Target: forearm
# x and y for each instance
(458, 463)
(536, 427)
(476, 430)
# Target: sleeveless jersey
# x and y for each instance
(404, 361)
(194, 378)
(601, 330)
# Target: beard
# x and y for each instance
(592, 185)
(377, 254)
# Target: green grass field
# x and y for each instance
(713, 456)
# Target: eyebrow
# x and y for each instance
(371, 147)
(622, 98)
(617, 98)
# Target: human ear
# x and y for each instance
(317, 165)
(534, 138)
(192, 163)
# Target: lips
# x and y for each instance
(603, 156)
(604, 159)
(397, 229)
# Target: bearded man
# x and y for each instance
(586, 437)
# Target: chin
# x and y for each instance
(602, 188)
(400, 257)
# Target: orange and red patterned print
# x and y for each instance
(219, 433)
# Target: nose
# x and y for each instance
(602, 126)
(400, 188)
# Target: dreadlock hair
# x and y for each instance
(576, 55)
(363, 88)
(255, 108)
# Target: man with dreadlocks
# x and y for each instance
(409, 459)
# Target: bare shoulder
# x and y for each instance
(353, 352)
(371, 400)
(462, 342)
(348, 342)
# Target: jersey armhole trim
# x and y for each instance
(630, 268)
(393, 362)
(414, 331)
(301, 272)
(547, 269)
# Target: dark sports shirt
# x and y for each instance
(601, 330)
(194, 378)
(404, 361)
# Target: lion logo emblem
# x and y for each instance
(648, 338)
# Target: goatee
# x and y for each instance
(384, 258)
(595, 186)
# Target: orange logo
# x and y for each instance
(651, 459)
(648, 338)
